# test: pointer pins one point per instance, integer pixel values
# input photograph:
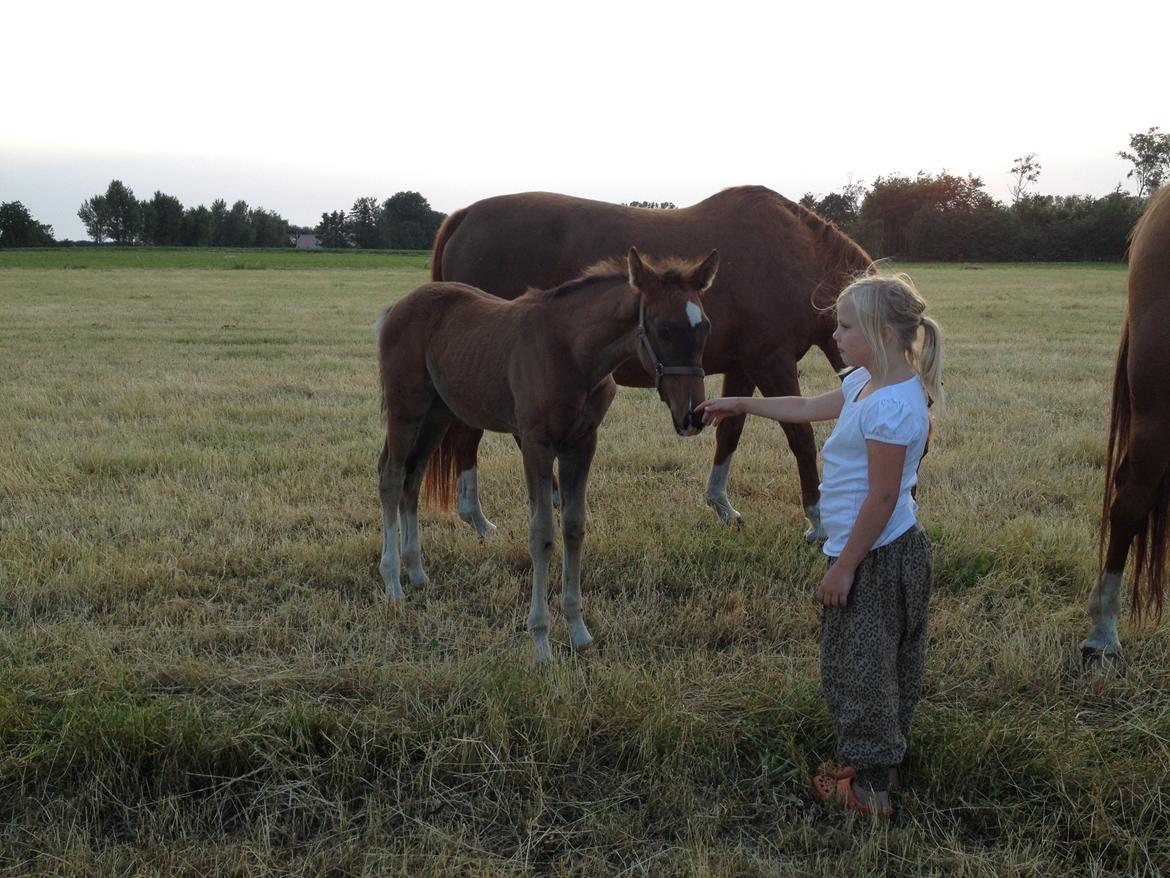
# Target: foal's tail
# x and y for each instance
(439, 482)
(1150, 541)
(446, 230)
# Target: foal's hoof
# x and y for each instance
(393, 593)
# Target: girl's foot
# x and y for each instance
(843, 792)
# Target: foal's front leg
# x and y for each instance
(538, 461)
(574, 470)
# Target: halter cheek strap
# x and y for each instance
(659, 369)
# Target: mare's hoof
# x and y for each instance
(815, 535)
(589, 650)
(1094, 659)
(727, 513)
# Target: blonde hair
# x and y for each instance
(894, 301)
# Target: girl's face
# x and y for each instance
(855, 350)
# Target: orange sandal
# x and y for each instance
(836, 788)
(837, 772)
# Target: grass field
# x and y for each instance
(198, 673)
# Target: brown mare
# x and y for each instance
(1137, 491)
(781, 269)
(538, 367)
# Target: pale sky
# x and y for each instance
(304, 107)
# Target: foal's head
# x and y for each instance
(674, 329)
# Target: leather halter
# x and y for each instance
(659, 369)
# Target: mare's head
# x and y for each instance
(673, 330)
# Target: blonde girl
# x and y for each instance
(876, 589)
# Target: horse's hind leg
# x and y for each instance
(727, 435)
(400, 436)
(574, 469)
(538, 463)
(465, 441)
(1141, 472)
(429, 436)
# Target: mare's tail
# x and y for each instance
(439, 484)
(446, 230)
(1150, 541)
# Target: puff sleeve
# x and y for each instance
(891, 421)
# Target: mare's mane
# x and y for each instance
(1157, 201)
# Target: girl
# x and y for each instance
(877, 586)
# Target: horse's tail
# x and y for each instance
(1150, 541)
(446, 230)
(439, 483)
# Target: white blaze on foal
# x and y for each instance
(694, 313)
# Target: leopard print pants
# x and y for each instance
(872, 653)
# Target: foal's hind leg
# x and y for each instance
(400, 436)
(538, 463)
(429, 436)
(574, 469)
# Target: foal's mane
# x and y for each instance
(617, 268)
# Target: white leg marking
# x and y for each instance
(717, 494)
(388, 566)
(816, 532)
(1104, 607)
(469, 509)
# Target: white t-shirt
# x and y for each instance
(895, 414)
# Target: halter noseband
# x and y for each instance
(659, 369)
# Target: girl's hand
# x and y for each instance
(835, 586)
(715, 410)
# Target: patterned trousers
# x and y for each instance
(872, 655)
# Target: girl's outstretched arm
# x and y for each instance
(790, 409)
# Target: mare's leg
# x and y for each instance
(1138, 477)
(400, 437)
(727, 435)
(778, 378)
(538, 463)
(574, 469)
(465, 441)
(430, 434)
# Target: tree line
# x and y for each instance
(117, 216)
(946, 217)
(404, 221)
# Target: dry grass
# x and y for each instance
(198, 673)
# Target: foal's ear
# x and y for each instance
(703, 276)
(637, 268)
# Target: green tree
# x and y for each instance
(195, 230)
(219, 212)
(269, 228)
(333, 230)
(408, 222)
(124, 214)
(94, 214)
(365, 228)
(162, 220)
(1151, 159)
(19, 229)
(237, 230)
